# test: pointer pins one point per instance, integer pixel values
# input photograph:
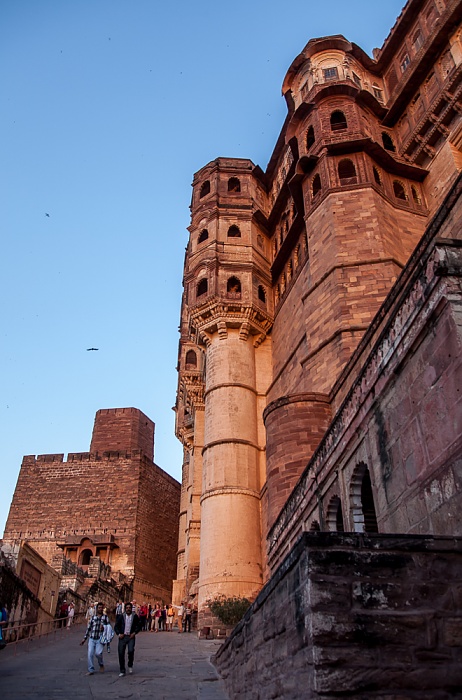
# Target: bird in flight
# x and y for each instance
(46, 214)
(89, 349)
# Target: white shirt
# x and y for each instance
(128, 623)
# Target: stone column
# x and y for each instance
(230, 561)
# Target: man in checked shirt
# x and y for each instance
(94, 631)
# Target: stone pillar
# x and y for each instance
(230, 561)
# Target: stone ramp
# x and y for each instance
(168, 666)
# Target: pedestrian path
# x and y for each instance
(168, 666)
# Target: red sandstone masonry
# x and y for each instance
(110, 492)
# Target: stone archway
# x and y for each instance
(362, 501)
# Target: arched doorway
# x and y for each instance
(362, 501)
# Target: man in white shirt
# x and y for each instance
(127, 627)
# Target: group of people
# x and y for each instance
(130, 619)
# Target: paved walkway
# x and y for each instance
(168, 666)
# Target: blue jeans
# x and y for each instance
(94, 648)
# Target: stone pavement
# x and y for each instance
(168, 666)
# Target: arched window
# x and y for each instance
(85, 556)
(335, 515)
(205, 189)
(234, 184)
(347, 172)
(362, 499)
(261, 294)
(316, 185)
(191, 359)
(377, 177)
(204, 234)
(399, 191)
(416, 196)
(338, 121)
(234, 232)
(202, 287)
(233, 288)
(388, 142)
(309, 137)
(260, 241)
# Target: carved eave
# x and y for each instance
(216, 315)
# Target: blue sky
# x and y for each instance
(108, 107)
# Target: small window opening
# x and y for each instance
(316, 185)
(310, 137)
(367, 502)
(388, 142)
(347, 172)
(416, 196)
(378, 94)
(205, 189)
(417, 40)
(398, 190)
(202, 287)
(234, 184)
(233, 288)
(234, 232)
(191, 359)
(338, 121)
(330, 73)
(204, 234)
(334, 515)
(261, 294)
(377, 178)
(357, 79)
(315, 526)
(404, 62)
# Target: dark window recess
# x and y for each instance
(388, 142)
(316, 185)
(377, 177)
(233, 288)
(416, 196)
(310, 137)
(261, 294)
(338, 121)
(191, 358)
(205, 189)
(347, 172)
(367, 504)
(398, 190)
(234, 184)
(202, 287)
(357, 80)
(234, 232)
(204, 234)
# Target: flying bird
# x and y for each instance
(46, 214)
(89, 349)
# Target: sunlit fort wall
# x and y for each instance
(319, 358)
(112, 504)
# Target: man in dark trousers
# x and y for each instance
(126, 627)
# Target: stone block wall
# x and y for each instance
(353, 616)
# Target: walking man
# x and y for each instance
(127, 627)
(94, 631)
